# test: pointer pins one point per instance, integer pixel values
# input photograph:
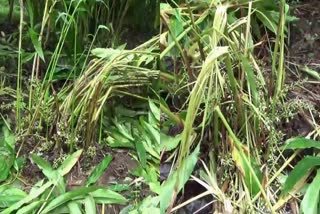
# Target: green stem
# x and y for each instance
(19, 82)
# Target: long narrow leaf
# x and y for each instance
(30, 197)
(10, 195)
(310, 202)
(167, 188)
(68, 197)
(106, 196)
(71, 160)
(299, 172)
(43, 165)
(301, 143)
(244, 167)
(29, 208)
(97, 172)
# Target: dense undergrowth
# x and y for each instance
(137, 106)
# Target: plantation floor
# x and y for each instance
(117, 175)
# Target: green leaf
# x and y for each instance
(115, 141)
(165, 6)
(29, 208)
(32, 195)
(141, 153)
(97, 172)
(154, 109)
(36, 44)
(69, 162)
(44, 166)
(124, 131)
(310, 201)
(169, 143)
(119, 187)
(66, 197)
(251, 80)
(103, 27)
(246, 172)
(106, 196)
(301, 143)
(107, 53)
(315, 74)
(8, 138)
(181, 176)
(90, 205)
(7, 157)
(265, 17)
(19, 163)
(30, 9)
(6, 162)
(299, 171)
(26, 57)
(10, 195)
(176, 28)
(152, 132)
(148, 205)
(155, 187)
(74, 207)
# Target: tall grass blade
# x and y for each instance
(298, 172)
